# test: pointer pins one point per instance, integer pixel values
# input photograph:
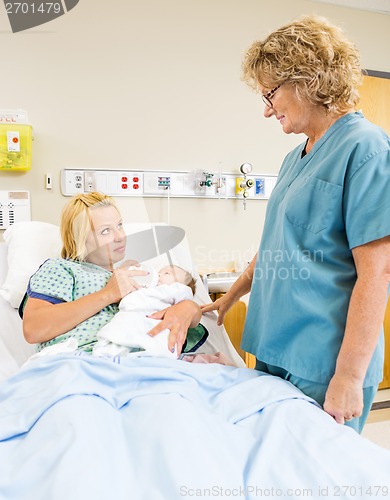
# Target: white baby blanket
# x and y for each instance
(127, 331)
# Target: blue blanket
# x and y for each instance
(81, 428)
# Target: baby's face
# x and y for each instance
(171, 274)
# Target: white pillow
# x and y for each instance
(29, 244)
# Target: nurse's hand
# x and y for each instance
(178, 319)
(222, 305)
(344, 399)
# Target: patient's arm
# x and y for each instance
(241, 286)
(178, 319)
(43, 321)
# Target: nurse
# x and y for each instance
(319, 282)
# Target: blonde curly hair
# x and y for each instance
(315, 57)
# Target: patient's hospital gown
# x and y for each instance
(64, 280)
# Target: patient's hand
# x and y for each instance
(178, 319)
(128, 263)
(121, 282)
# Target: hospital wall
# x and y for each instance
(151, 84)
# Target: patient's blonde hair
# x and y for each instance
(314, 56)
(76, 223)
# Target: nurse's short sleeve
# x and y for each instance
(52, 280)
(366, 201)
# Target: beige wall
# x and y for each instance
(152, 84)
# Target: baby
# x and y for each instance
(126, 333)
(171, 274)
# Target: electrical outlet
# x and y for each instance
(72, 182)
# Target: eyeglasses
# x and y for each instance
(267, 97)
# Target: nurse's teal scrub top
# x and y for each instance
(333, 199)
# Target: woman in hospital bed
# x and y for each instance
(69, 300)
(76, 426)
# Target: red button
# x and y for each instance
(124, 186)
(135, 186)
(15, 140)
(124, 179)
(135, 179)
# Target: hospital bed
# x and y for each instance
(78, 427)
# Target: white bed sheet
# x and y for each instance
(81, 427)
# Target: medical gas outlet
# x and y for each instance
(208, 184)
(242, 186)
(161, 184)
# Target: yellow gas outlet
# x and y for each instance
(240, 182)
(242, 185)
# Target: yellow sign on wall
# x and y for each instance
(15, 146)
